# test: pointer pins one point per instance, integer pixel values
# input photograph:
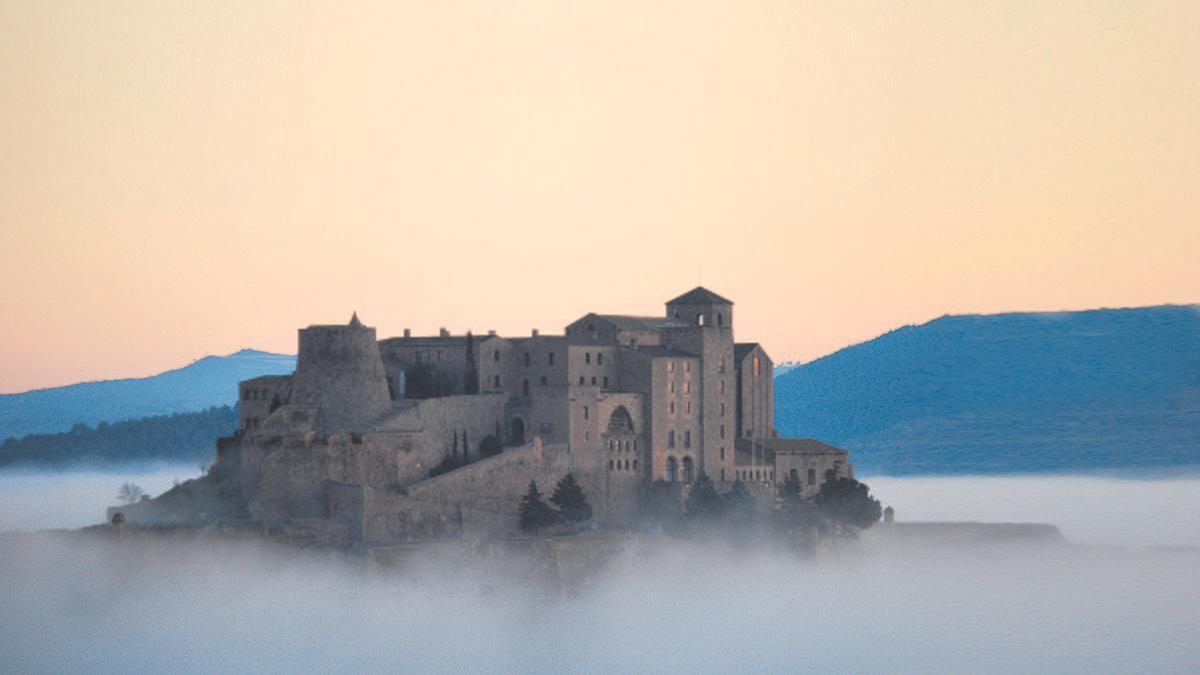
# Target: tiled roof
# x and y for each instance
(627, 322)
(741, 349)
(700, 296)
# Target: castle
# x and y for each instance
(426, 437)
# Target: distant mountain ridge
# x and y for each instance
(1066, 391)
(202, 384)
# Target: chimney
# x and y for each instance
(443, 332)
(535, 332)
(407, 332)
(492, 332)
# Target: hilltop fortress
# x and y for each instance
(378, 441)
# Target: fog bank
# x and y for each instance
(85, 604)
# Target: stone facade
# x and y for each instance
(439, 436)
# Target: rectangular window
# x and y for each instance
(687, 366)
(722, 387)
(687, 439)
(550, 358)
(722, 410)
(722, 431)
(526, 359)
(670, 366)
(722, 456)
(687, 387)
(585, 412)
(687, 407)
(593, 380)
(581, 381)
(670, 439)
(671, 407)
(599, 359)
(606, 383)
(496, 355)
(587, 357)
(439, 355)
(671, 386)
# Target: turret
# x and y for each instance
(702, 307)
(339, 371)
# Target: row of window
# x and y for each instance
(672, 470)
(255, 394)
(622, 465)
(525, 387)
(687, 438)
(756, 474)
(626, 445)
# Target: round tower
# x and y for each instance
(339, 370)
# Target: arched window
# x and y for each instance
(671, 470)
(687, 469)
(699, 319)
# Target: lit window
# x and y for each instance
(671, 386)
(670, 366)
(687, 366)
(756, 365)
(687, 387)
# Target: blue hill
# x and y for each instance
(1088, 391)
(208, 382)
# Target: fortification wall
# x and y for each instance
(477, 500)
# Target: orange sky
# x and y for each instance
(178, 179)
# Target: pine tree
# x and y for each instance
(572, 505)
(534, 512)
(704, 501)
(792, 491)
(739, 501)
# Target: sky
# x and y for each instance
(180, 179)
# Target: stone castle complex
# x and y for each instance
(377, 441)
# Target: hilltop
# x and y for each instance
(205, 383)
(1107, 389)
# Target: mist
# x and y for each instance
(1115, 599)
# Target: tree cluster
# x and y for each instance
(570, 505)
(843, 506)
(182, 437)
